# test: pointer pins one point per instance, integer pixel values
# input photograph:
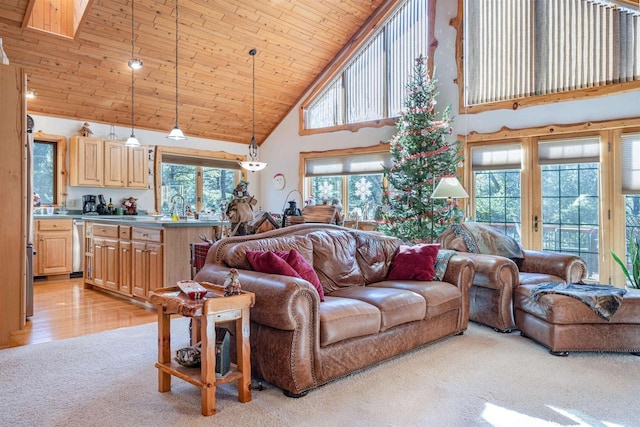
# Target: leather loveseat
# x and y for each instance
(298, 342)
(497, 277)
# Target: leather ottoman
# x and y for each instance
(565, 324)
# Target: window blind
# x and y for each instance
(575, 150)
(358, 164)
(520, 48)
(631, 163)
(507, 156)
(177, 159)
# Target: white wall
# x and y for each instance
(69, 128)
(283, 146)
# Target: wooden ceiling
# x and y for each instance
(87, 78)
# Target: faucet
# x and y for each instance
(183, 216)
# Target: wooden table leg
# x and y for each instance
(243, 356)
(208, 364)
(164, 349)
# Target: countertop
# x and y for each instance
(139, 220)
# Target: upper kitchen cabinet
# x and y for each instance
(107, 163)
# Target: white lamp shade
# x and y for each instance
(176, 134)
(449, 188)
(253, 166)
(132, 141)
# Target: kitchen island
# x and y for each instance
(133, 255)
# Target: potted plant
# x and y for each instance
(634, 275)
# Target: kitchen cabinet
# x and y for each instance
(147, 261)
(53, 243)
(125, 259)
(106, 270)
(86, 161)
(107, 163)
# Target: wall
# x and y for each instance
(69, 128)
(285, 138)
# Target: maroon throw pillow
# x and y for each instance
(268, 262)
(414, 262)
(303, 268)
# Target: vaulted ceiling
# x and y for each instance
(87, 77)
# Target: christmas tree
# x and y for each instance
(421, 155)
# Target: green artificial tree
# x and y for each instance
(422, 154)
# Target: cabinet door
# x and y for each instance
(54, 253)
(111, 265)
(125, 267)
(115, 164)
(154, 252)
(137, 167)
(139, 269)
(86, 162)
(99, 256)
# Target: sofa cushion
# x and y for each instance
(374, 254)
(396, 306)
(537, 278)
(414, 262)
(440, 297)
(334, 259)
(236, 256)
(344, 318)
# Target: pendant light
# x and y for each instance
(134, 64)
(176, 133)
(252, 163)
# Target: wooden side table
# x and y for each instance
(214, 307)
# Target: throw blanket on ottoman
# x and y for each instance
(604, 300)
(484, 239)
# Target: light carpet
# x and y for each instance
(481, 378)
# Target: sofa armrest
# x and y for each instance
(277, 297)
(570, 268)
(460, 272)
(494, 272)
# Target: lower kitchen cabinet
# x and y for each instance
(53, 246)
(146, 267)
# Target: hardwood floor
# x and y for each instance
(65, 309)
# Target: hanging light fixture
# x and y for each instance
(252, 163)
(176, 133)
(134, 64)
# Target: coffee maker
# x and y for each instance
(89, 205)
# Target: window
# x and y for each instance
(204, 181)
(49, 172)
(354, 179)
(44, 171)
(496, 172)
(369, 86)
(631, 187)
(517, 49)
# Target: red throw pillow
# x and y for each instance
(414, 262)
(303, 268)
(268, 262)
(290, 263)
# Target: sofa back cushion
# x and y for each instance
(236, 256)
(334, 259)
(374, 254)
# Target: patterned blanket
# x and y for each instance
(484, 239)
(604, 300)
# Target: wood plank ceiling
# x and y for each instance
(87, 78)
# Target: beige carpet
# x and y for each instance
(482, 378)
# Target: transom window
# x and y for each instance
(520, 48)
(370, 85)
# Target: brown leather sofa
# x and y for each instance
(496, 278)
(299, 343)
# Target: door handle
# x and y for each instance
(535, 223)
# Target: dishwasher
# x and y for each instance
(77, 248)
